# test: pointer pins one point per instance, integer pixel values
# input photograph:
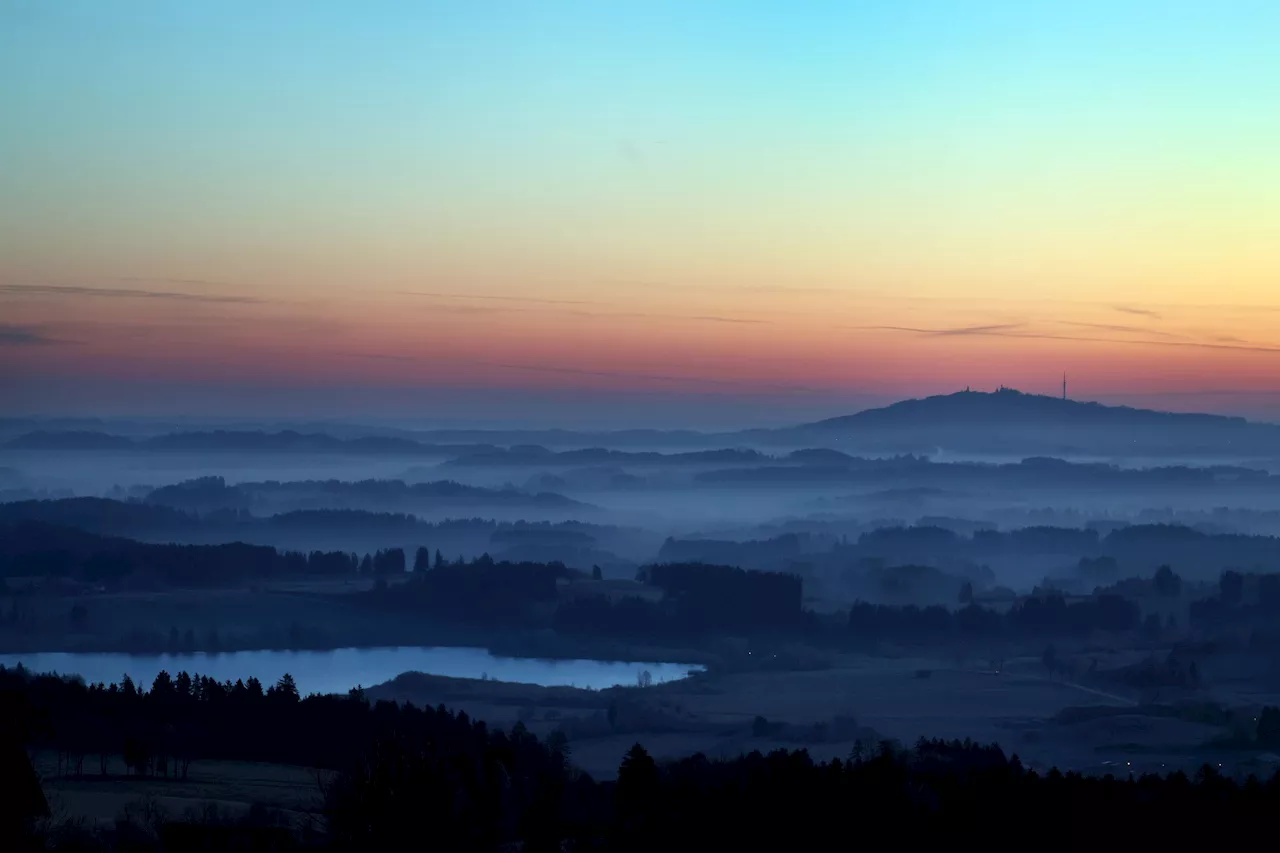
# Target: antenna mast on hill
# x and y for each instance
(1064, 386)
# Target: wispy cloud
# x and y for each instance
(996, 333)
(526, 299)
(1132, 330)
(699, 318)
(189, 282)
(1141, 312)
(122, 293)
(1000, 329)
(729, 288)
(577, 371)
(976, 330)
(14, 335)
(567, 306)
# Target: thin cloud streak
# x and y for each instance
(702, 318)
(529, 299)
(14, 335)
(1134, 330)
(977, 330)
(122, 293)
(1081, 338)
(1141, 312)
(190, 282)
(575, 371)
(730, 288)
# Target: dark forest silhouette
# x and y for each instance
(401, 775)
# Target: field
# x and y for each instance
(1046, 722)
(826, 711)
(231, 788)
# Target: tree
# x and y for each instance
(637, 790)
(558, 743)
(421, 560)
(389, 562)
(966, 593)
(1050, 659)
(23, 801)
(644, 679)
(1269, 591)
(439, 562)
(162, 686)
(596, 574)
(1167, 583)
(1231, 586)
(286, 689)
(1269, 727)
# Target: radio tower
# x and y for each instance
(1064, 386)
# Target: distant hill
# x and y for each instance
(286, 441)
(1008, 406)
(1009, 421)
(73, 440)
(1005, 422)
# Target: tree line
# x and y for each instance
(34, 549)
(402, 776)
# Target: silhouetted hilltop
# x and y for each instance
(1009, 421)
(1008, 406)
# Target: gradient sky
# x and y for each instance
(657, 212)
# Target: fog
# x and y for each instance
(862, 580)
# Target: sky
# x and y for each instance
(649, 213)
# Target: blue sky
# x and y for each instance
(675, 160)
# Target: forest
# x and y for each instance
(391, 776)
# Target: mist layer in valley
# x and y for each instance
(1082, 584)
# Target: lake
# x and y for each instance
(339, 670)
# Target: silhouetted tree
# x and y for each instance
(23, 801)
(421, 560)
(1269, 727)
(286, 689)
(636, 793)
(1167, 583)
(1269, 591)
(1231, 586)
(596, 574)
(1050, 659)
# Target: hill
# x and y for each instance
(1011, 422)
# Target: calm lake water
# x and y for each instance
(338, 670)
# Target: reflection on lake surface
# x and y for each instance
(338, 670)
